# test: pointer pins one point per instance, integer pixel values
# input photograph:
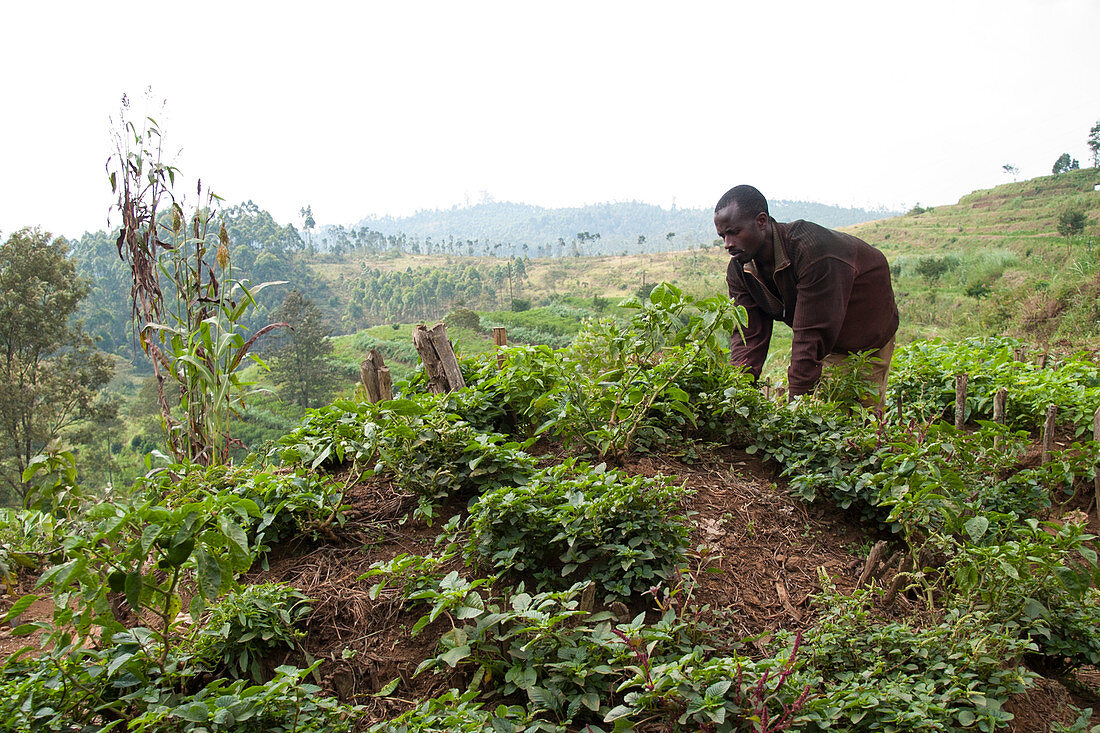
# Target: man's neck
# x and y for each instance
(765, 258)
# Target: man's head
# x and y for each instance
(742, 221)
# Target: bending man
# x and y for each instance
(831, 288)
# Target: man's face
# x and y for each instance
(744, 237)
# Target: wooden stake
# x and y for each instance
(1000, 403)
(369, 374)
(960, 400)
(1048, 432)
(500, 338)
(874, 558)
(1096, 437)
(385, 384)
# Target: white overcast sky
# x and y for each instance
(362, 108)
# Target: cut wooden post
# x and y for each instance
(500, 338)
(874, 558)
(370, 372)
(1096, 437)
(438, 357)
(385, 384)
(1000, 403)
(767, 388)
(1048, 432)
(960, 400)
(1043, 360)
(1018, 354)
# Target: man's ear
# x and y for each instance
(762, 220)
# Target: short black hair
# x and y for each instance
(750, 201)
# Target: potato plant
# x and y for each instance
(573, 521)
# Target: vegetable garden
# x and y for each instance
(621, 534)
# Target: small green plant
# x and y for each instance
(574, 520)
(620, 374)
(249, 624)
(286, 704)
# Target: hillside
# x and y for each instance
(994, 263)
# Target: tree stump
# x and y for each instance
(438, 357)
(375, 376)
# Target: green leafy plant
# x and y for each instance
(905, 676)
(923, 381)
(618, 374)
(286, 704)
(573, 520)
(142, 552)
(248, 624)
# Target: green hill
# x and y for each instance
(994, 263)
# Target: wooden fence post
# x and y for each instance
(439, 358)
(375, 376)
(960, 400)
(500, 338)
(1096, 437)
(1048, 432)
(1000, 404)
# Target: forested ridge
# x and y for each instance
(623, 227)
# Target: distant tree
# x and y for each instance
(1064, 164)
(1071, 222)
(1094, 144)
(1011, 170)
(641, 240)
(306, 212)
(51, 371)
(299, 364)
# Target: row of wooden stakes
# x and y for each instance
(436, 353)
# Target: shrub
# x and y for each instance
(463, 318)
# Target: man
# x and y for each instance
(831, 288)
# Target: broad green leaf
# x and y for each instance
(134, 582)
(976, 527)
(456, 655)
(210, 574)
(19, 607)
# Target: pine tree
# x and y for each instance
(299, 364)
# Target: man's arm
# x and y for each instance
(753, 350)
(824, 288)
